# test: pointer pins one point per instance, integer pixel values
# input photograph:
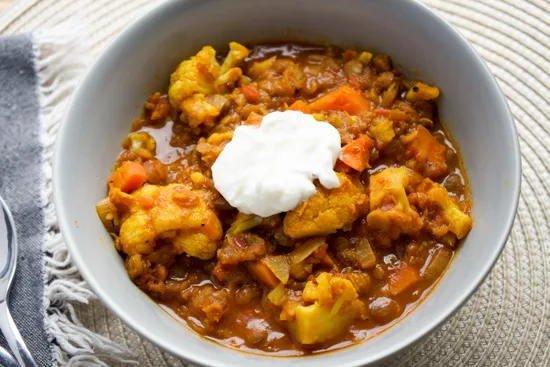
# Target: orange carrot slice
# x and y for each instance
(342, 99)
(128, 177)
(356, 154)
(402, 279)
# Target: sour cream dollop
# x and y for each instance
(270, 169)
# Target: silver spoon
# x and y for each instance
(6, 359)
(8, 262)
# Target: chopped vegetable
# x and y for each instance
(449, 217)
(382, 130)
(391, 212)
(381, 112)
(254, 119)
(237, 53)
(421, 92)
(335, 307)
(128, 177)
(348, 55)
(263, 273)
(426, 153)
(402, 279)
(300, 105)
(277, 294)
(389, 95)
(251, 93)
(259, 67)
(356, 153)
(302, 252)
(108, 214)
(327, 210)
(436, 264)
(367, 257)
(365, 57)
(382, 63)
(342, 99)
(279, 266)
(200, 77)
(393, 115)
(243, 223)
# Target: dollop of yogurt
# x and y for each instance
(270, 169)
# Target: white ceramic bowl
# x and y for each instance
(472, 106)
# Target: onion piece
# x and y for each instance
(366, 258)
(243, 223)
(436, 264)
(301, 253)
(277, 294)
(279, 265)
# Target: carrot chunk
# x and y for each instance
(251, 93)
(344, 98)
(128, 177)
(301, 106)
(356, 154)
(263, 273)
(402, 279)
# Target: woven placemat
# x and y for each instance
(507, 321)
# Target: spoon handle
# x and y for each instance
(13, 337)
(6, 359)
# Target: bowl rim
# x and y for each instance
(415, 336)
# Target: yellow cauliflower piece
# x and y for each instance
(327, 210)
(391, 212)
(197, 84)
(237, 53)
(444, 214)
(174, 213)
(382, 130)
(212, 147)
(335, 306)
(199, 109)
(196, 75)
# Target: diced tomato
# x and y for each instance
(348, 55)
(251, 93)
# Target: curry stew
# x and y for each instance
(340, 267)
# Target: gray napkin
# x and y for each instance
(21, 186)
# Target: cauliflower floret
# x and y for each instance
(237, 53)
(196, 75)
(197, 84)
(443, 213)
(427, 154)
(211, 148)
(335, 306)
(142, 144)
(174, 213)
(327, 210)
(203, 110)
(382, 130)
(391, 212)
(280, 77)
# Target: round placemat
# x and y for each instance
(507, 321)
